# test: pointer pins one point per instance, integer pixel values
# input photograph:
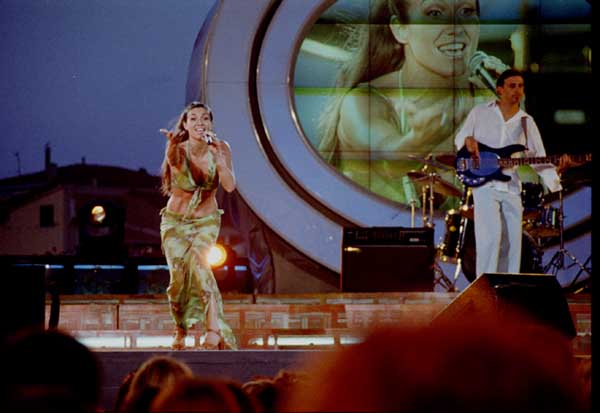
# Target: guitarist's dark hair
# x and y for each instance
(506, 74)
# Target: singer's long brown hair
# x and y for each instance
(375, 53)
(181, 135)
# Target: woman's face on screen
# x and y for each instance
(442, 35)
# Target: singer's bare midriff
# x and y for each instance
(179, 200)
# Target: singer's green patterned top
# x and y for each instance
(183, 179)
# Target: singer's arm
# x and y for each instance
(173, 151)
(175, 154)
(392, 126)
(224, 164)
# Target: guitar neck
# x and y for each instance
(553, 159)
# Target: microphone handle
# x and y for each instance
(486, 78)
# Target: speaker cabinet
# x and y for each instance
(23, 306)
(382, 259)
(538, 295)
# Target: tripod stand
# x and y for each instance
(431, 180)
(557, 262)
(440, 277)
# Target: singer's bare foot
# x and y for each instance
(179, 338)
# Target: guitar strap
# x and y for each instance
(524, 126)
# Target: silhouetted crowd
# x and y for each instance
(469, 365)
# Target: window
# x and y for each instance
(46, 216)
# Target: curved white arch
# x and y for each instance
(258, 182)
(265, 191)
(269, 196)
(295, 153)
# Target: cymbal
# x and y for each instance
(429, 161)
(447, 159)
(439, 185)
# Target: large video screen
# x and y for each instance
(382, 87)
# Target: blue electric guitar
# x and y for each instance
(476, 172)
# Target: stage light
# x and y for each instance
(98, 214)
(231, 272)
(102, 230)
(217, 255)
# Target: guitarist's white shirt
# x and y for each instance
(487, 125)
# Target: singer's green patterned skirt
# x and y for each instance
(186, 242)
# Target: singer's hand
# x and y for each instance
(172, 137)
(210, 137)
(484, 69)
(494, 64)
(427, 125)
(220, 150)
(222, 155)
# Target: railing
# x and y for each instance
(278, 321)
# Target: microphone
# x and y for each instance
(409, 190)
(208, 139)
(478, 70)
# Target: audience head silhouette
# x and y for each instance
(197, 394)
(50, 370)
(154, 374)
(456, 366)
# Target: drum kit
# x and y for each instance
(540, 221)
(429, 183)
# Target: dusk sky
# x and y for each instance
(94, 78)
(97, 78)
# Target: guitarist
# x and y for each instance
(497, 204)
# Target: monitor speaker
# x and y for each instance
(385, 259)
(494, 294)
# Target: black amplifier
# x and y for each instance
(379, 259)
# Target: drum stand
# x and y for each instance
(413, 205)
(461, 234)
(440, 278)
(557, 262)
(461, 241)
(428, 218)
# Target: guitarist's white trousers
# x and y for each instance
(498, 230)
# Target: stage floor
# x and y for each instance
(274, 332)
